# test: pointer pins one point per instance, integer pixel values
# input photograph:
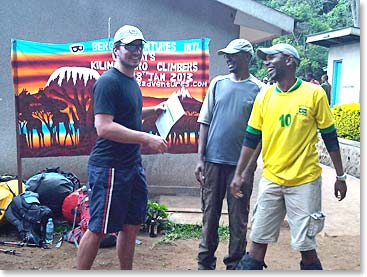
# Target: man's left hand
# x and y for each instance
(340, 189)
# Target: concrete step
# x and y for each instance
(156, 191)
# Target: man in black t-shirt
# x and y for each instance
(115, 173)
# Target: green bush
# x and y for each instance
(159, 213)
(347, 120)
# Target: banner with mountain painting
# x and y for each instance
(53, 90)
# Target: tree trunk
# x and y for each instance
(355, 6)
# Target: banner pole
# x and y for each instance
(109, 28)
(16, 98)
(19, 159)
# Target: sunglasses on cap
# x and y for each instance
(132, 47)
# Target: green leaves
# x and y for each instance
(173, 231)
(312, 16)
(157, 212)
(189, 231)
(160, 210)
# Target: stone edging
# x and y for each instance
(350, 152)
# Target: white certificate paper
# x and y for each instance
(174, 111)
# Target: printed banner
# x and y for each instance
(53, 89)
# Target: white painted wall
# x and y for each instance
(350, 75)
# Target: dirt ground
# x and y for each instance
(336, 253)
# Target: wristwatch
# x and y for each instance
(342, 177)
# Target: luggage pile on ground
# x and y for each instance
(48, 193)
(42, 198)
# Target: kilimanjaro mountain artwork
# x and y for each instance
(53, 86)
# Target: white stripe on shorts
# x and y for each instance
(109, 200)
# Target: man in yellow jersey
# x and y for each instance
(286, 117)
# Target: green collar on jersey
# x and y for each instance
(294, 87)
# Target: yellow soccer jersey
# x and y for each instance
(288, 122)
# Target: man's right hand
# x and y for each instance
(157, 143)
(199, 172)
(236, 187)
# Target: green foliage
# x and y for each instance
(159, 209)
(189, 231)
(312, 16)
(340, 15)
(158, 212)
(181, 231)
(347, 120)
(172, 231)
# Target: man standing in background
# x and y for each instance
(223, 117)
(326, 86)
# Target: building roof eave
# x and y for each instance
(335, 37)
(258, 22)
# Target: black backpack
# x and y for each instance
(52, 186)
(29, 217)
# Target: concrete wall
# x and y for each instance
(349, 54)
(55, 21)
(350, 152)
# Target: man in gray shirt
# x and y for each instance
(223, 117)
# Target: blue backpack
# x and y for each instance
(29, 217)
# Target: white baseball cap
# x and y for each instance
(127, 34)
(236, 46)
(284, 48)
